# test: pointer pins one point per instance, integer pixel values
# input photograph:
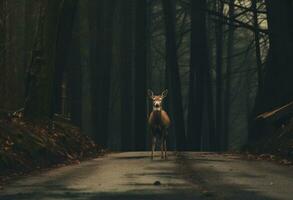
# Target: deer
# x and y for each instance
(159, 123)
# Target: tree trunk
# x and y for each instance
(173, 73)
(64, 40)
(31, 13)
(227, 95)
(257, 45)
(74, 70)
(101, 62)
(213, 145)
(276, 90)
(140, 75)
(106, 65)
(86, 98)
(13, 54)
(278, 77)
(41, 74)
(126, 75)
(2, 50)
(198, 76)
(219, 139)
(94, 27)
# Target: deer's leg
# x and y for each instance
(153, 146)
(162, 147)
(165, 144)
(165, 147)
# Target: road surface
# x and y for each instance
(134, 176)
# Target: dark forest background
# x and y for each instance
(224, 62)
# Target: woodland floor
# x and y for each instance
(133, 175)
(26, 147)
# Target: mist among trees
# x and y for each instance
(224, 62)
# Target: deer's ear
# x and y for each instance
(164, 93)
(150, 94)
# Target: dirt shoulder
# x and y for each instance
(26, 147)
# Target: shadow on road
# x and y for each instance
(132, 157)
(190, 183)
(59, 192)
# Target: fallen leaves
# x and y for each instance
(276, 144)
(268, 157)
(26, 146)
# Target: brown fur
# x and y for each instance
(159, 122)
(159, 118)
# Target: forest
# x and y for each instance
(224, 62)
(88, 87)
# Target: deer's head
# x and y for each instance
(157, 99)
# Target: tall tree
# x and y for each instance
(257, 44)
(173, 73)
(64, 40)
(3, 49)
(198, 67)
(31, 13)
(39, 90)
(276, 89)
(219, 139)
(126, 73)
(227, 94)
(94, 21)
(213, 144)
(84, 44)
(13, 54)
(105, 66)
(74, 71)
(140, 74)
(101, 19)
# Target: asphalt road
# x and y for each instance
(134, 176)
